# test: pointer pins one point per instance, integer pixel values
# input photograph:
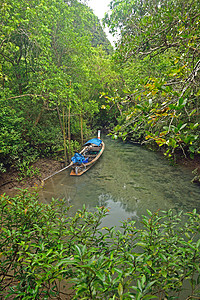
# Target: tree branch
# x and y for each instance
(25, 95)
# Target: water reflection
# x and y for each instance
(128, 179)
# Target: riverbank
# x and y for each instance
(193, 165)
(10, 183)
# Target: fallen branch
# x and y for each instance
(7, 182)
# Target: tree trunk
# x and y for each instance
(66, 157)
(69, 133)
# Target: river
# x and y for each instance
(128, 179)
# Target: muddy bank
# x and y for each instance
(189, 163)
(193, 165)
(10, 181)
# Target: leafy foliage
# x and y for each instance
(58, 81)
(45, 49)
(42, 245)
(159, 58)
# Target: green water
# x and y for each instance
(127, 179)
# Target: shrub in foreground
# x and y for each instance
(42, 246)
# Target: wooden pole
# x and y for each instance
(69, 133)
(69, 129)
(59, 117)
(56, 173)
(99, 134)
(81, 129)
(64, 138)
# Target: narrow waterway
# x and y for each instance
(127, 179)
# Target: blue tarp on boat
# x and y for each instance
(79, 158)
(94, 141)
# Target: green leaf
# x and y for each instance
(164, 273)
(120, 289)
(181, 103)
(142, 244)
(183, 126)
(101, 276)
(78, 250)
(149, 262)
(198, 243)
(149, 212)
(187, 235)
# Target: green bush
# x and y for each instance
(27, 171)
(42, 245)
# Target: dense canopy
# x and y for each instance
(61, 79)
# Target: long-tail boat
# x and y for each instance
(83, 161)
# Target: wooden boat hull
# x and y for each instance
(78, 170)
